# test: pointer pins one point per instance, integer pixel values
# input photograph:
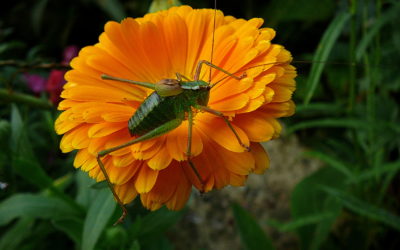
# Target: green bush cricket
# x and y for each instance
(164, 110)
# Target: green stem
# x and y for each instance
(25, 65)
(10, 96)
(352, 55)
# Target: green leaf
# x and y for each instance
(4, 129)
(85, 194)
(31, 171)
(252, 235)
(157, 243)
(321, 55)
(116, 237)
(99, 185)
(11, 45)
(304, 10)
(135, 245)
(36, 206)
(16, 234)
(38, 12)
(332, 162)
(99, 213)
(20, 144)
(159, 221)
(309, 200)
(301, 222)
(71, 227)
(158, 5)
(113, 8)
(365, 209)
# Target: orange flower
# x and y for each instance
(96, 112)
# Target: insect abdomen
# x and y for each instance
(153, 112)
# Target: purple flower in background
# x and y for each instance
(54, 83)
(35, 82)
(69, 53)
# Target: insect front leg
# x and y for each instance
(189, 149)
(180, 76)
(166, 127)
(198, 70)
(218, 113)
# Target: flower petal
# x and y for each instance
(126, 192)
(177, 142)
(160, 160)
(146, 179)
(215, 128)
(106, 128)
(261, 158)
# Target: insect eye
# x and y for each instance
(168, 87)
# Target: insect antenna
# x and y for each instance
(244, 71)
(213, 39)
(353, 64)
(143, 84)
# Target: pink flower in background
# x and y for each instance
(54, 85)
(55, 81)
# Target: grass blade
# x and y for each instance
(373, 31)
(365, 209)
(329, 123)
(335, 163)
(377, 172)
(36, 206)
(324, 48)
(301, 222)
(320, 108)
(308, 200)
(252, 235)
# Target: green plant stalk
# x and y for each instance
(61, 195)
(9, 96)
(375, 78)
(370, 92)
(352, 55)
(377, 57)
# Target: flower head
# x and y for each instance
(159, 45)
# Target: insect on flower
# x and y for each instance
(219, 86)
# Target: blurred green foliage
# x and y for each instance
(348, 116)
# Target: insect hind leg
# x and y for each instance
(219, 114)
(111, 186)
(166, 127)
